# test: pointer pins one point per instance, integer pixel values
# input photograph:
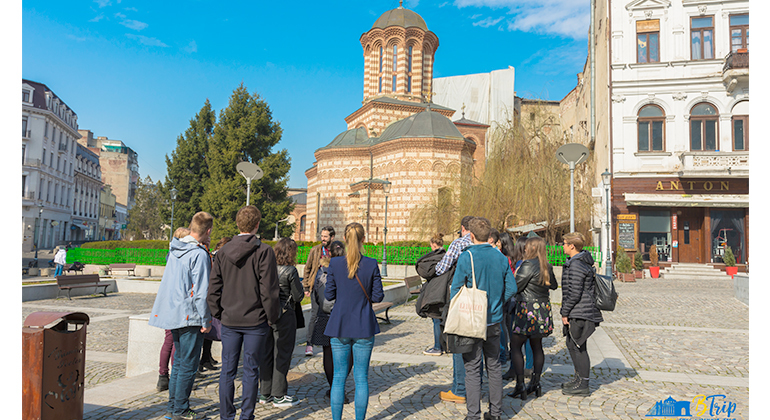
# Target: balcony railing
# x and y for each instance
(736, 60)
(32, 162)
(26, 133)
(63, 147)
(29, 195)
(712, 163)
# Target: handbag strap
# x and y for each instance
(362, 288)
(473, 270)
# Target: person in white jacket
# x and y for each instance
(60, 259)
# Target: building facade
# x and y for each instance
(86, 200)
(119, 163)
(107, 214)
(49, 135)
(679, 128)
(397, 136)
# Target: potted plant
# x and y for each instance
(624, 266)
(729, 260)
(638, 265)
(654, 268)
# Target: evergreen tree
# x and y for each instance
(246, 132)
(144, 217)
(187, 170)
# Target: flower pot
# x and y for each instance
(731, 271)
(638, 274)
(654, 272)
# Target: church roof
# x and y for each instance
(394, 101)
(400, 17)
(351, 138)
(422, 124)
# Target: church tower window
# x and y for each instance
(409, 70)
(395, 68)
(380, 90)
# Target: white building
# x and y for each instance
(88, 186)
(49, 133)
(679, 127)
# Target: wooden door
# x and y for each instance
(691, 236)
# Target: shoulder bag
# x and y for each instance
(467, 314)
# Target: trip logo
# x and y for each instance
(712, 407)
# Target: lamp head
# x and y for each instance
(386, 186)
(606, 177)
(173, 193)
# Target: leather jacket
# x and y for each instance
(529, 283)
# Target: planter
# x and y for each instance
(731, 271)
(625, 277)
(654, 272)
(638, 274)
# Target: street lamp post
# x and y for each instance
(251, 172)
(39, 230)
(173, 199)
(386, 189)
(606, 179)
(289, 219)
(572, 154)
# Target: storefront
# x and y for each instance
(689, 220)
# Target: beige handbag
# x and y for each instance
(467, 315)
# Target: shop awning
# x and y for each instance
(687, 200)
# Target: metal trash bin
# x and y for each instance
(53, 365)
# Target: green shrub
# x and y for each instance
(653, 255)
(638, 261)
(141, 244)
(729, 258)
(622, 261)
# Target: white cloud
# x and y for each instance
(134, 24)
(97, 18)
(152, 42)
(130, 9)
(567, 18)
(120, 15)
(486, 23)
(103, 3)
(191, 47)
(76, 38)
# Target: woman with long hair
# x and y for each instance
(317, 337)
(355, 282)
(279, 343)
(532, 318)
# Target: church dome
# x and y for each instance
(400, 17)
(425, 124)
(350, 138)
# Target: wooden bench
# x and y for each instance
(122, 267)
(411, 282)
(382, 306)
(75, 282)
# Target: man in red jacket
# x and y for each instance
(243, 295)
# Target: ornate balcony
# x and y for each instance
(714, 164)
(736, 69)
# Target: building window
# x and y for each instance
(655, 229)
(40, 190)
(50, 162)
(647, 41)
(24, 185)
(46, 129)
(395, 68)
(380, 72)
(23, 153)
(703, 127)
(651, 129)
(702, 37)
(741, 126)
(25, 95)
(24, 121)
(43, 156)
(409, 70)
(739, 32)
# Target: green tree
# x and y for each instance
(246, 132)
(187, 170)
(144, 219)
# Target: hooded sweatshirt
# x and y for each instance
(181, 298)
(243, 287)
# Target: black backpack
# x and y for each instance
(605, 294)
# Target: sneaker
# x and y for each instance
(449, 396)
(309, 351)
(169, 416)
(162, 383)
(285, 401)
(188, 415)
(264, 399)
(433, 352)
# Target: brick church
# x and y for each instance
(396, 136)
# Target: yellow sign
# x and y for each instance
(627, 217)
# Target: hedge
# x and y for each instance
(397, 255)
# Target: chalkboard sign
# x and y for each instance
(627, 235)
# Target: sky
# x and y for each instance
(138, 71)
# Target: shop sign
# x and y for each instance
(691, 185)
(673, 222)
(675, 244)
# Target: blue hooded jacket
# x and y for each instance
(181, 299)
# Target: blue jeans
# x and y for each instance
(458, 375)
(59, 270)
(187, 353)
(362, 353)
(252, 340)
(437, 333)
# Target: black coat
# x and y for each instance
(529, 283)
(578, 289)
(426, 265)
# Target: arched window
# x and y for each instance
(703, 127)
(409, 69)
(395, 68)
(651, 129)
(741, 126)
(380, 72)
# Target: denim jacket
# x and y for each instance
(181, 298)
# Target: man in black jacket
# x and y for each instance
(578, 310)
(244, 296)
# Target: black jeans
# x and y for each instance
(279, 345)
(577, 343)
(489, 351)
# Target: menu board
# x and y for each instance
(627, 235)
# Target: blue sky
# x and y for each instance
(137, 71)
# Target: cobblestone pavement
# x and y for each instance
(660, 326)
